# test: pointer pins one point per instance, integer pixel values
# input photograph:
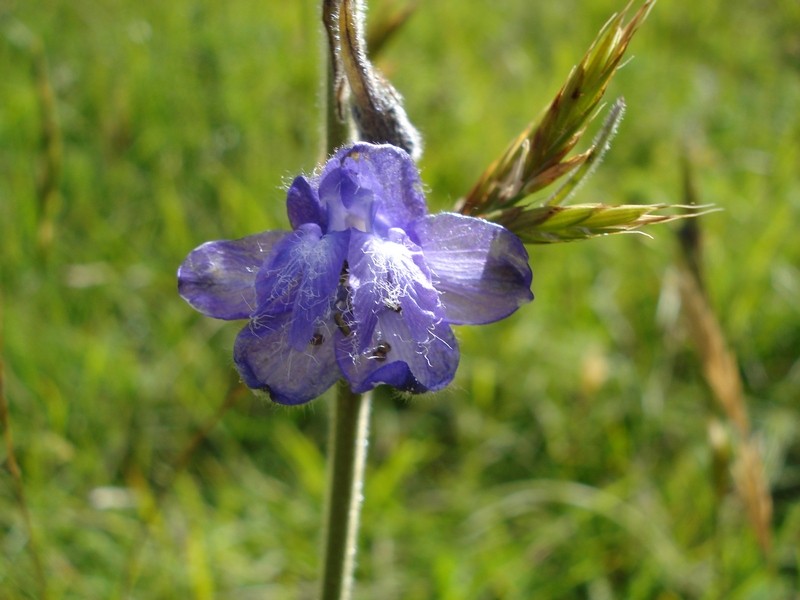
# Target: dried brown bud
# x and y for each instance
(376, 106)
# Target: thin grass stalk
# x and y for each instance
(52, 147)
(16, 474)
(200, 436)
(152, 508)
(347, 454)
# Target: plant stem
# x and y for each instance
(347, 453)
(349, 422)
(337, 133)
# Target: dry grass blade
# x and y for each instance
(185, 456)
(16, 474)
(555, 133)
(721, 372)
(751, 484)
(552, 224)
(720, 367)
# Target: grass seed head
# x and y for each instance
(539, 155)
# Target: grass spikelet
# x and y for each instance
(592, 157)
(542, 148)
(552, 224)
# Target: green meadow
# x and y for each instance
(608, 441)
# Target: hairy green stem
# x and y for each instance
(349, 422)
(347, 453)
(337, 133)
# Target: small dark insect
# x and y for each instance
(267, 390)
(316, 339)
(395, 306)
(340, 323)
(381, 351)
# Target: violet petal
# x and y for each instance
(348, 204)
(390, 274)
(267, 362)
(391, 177)
(303, 205)
(301, 276)
(480, 268)
(218, 277)
(395, 359)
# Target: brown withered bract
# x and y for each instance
(376, 106)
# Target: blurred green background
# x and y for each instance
(571, 458)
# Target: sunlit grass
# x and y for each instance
(570, 459)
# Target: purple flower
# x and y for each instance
(365, 287)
